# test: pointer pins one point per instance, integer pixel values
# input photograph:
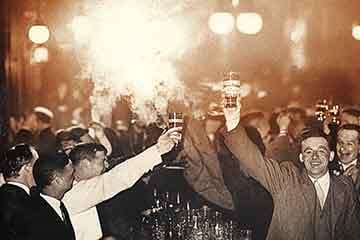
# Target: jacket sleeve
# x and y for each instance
(203, 172)
(271, 174)
(281, 149)
(352, 215)
(86, 194)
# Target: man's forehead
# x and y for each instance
(315, 142)
(348, 133)
(99, 153)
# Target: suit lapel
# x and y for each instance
(46, 210)
(309, 191)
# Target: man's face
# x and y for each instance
(68, 176)
(97, 165)
(347, 145)
(315, 154)
(346, 118)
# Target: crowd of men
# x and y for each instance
(284, 177)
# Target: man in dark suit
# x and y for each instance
(309, 202)
(54, 175)
(16, 206)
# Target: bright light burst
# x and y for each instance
(130, 50)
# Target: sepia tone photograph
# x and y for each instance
(179, 120)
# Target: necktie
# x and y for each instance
(320, 193)
(67, 220)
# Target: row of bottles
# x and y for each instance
(172, 219)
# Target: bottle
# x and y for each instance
(206, 223)
(196, 233)
(177, 205)
(219, 227)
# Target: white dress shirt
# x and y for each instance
(324, 182)
(345, 166)
(23, 186)
(82, 199)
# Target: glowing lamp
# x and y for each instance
(39, 34)
(221, 22)
(40, 55)
(262, 94)
(249, 23)
(356, 32)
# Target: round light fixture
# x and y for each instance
(40, 55)
(222, 22)
(249, 23)
(356, 32)
(39, 34)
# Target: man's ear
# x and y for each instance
(332, 155)
(301, 158)
(28, 167)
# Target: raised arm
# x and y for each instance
(86, 194)
(269, 173)
(203, 172)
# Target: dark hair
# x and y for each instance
(350, 127)
(246, 119)
(311, 132)
(47, 166)
(85, 151)
(298, 114)
(15, 158)
(351, 111)
(23, 136)
(77, 132)
(63, 135)
(43, 117)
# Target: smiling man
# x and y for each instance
(309, 203)
(347, 149)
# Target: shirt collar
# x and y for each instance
(53, 202)
(21, 185)
(323, 180)
(345, 166)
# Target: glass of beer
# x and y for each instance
(176, 120)
(231, 89)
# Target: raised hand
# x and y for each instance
(232, 115)
(168, 140)
(283, 120)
